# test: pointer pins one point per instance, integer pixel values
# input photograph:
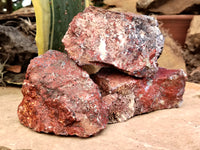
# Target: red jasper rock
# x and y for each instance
(127, 96)
(60, 98)
(129, 42)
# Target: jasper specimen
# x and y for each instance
(127, 96)
(129, 42)
(60, 98)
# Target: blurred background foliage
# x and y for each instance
(8, 6)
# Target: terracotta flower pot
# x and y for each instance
(177, 25)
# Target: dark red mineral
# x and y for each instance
(129, 42)
(60, 98)
(127, 96)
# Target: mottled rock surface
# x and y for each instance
(60, 98)
(129, 42)
(127, 96)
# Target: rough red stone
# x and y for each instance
(126, 96)
(129, 42)
(60, 98)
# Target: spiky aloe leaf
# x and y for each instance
(88, 3)
(52, 20)
(42, 13)
(62, 13)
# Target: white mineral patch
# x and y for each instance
(140, 95)
(142, 33)
(155, 65)
(124, 118)
(132, 101)
(122, 40)
(50, 127)
(85, 75)
(148, 64)
(173, 77)
(119, 119)
(162, 102)
(181, 91)
(149, 83)
(102, 49)
(116, 63)
(98, 121)
(183, 73)
(180, 103)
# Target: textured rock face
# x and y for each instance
(127, 96)
(60, 98)
(129, 42)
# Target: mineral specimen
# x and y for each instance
(127, 96)
(60, 98)
(129, 42)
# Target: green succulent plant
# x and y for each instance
(52, 20)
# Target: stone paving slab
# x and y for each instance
(170, 129)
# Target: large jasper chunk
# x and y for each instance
(129, 42)
(60, 98)
(126, 96)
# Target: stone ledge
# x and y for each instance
(164, 129)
